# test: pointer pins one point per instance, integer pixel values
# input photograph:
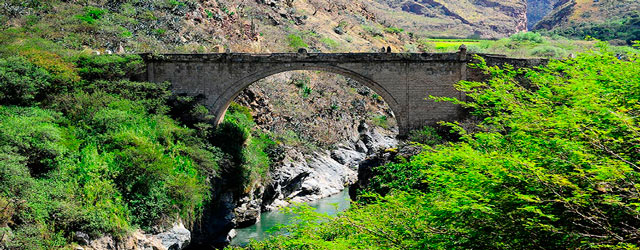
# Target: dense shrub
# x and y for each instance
(101, 159)
(427, 135)
(296, 42)
(250, 148)
(109, 67)
(531, 37)
(152, 96)
(63, 73)
(549, 52)
(21, 82)
(32, 133)
(91, 15)
(626, 29)
(393, 30)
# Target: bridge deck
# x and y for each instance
(315, 57)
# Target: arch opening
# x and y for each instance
(328, 104)
(221, 105)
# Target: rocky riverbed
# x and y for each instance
(301, 177)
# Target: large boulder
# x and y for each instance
(176, 238)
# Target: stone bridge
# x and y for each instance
(403, 80)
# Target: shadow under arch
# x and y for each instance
(221, 104)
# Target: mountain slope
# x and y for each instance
(201, 26)
(483, 18)
(602, 19)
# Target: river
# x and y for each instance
(269, 220)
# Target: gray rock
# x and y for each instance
(82, 238)
(177, 238)
(347, 157)
(232, 234)
(248, 212)
(361, 147)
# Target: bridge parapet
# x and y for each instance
(305, 57)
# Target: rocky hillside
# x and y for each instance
(573, 12)
(258, 25)
(459, 18)
(602, 19)
(202, 26)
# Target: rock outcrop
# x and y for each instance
(175, 238)
(304, 178)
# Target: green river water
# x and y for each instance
(269, 220)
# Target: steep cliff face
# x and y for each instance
(484, 18)
(539, 9)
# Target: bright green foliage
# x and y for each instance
(393, 222)
(100, 158)
(531, 37)
(63, 73)
(374, 31)
(381, 121)
(393, 30)
(109, 67)
(22, 83)
(296, 42)
(330, 43)
(306, 91)
(249, 147)
(553, 164)
(91, 15)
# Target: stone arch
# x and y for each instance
(221, 104)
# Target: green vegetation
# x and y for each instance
(248, 147)
(393, 30)
(381, 121)
(21, 82)
(530, 37)
(526, 44)
(99, 158)
(85, 149)
(296, 42)
(303, 84)
(373, 30)
(91, 15)
(426, 136)
(626, 30)
(552, 163)
(330, 43)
